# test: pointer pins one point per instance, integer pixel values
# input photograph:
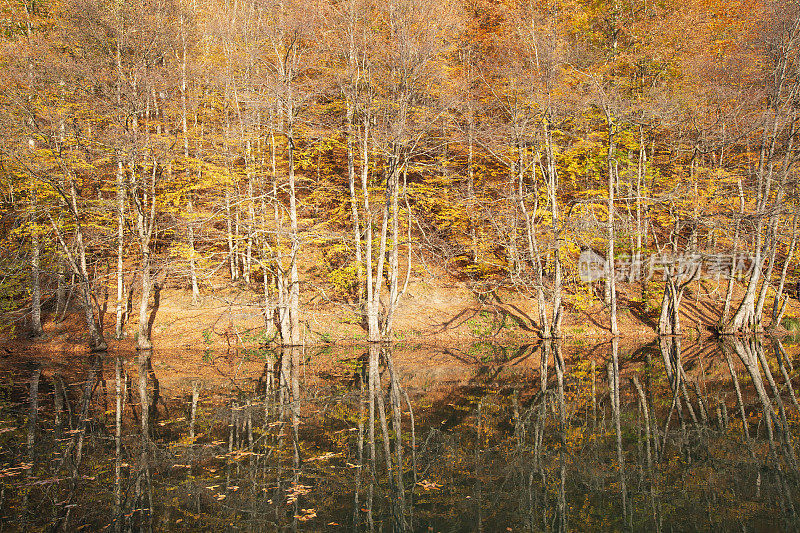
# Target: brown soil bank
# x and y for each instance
(434, 310)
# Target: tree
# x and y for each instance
(776, 125)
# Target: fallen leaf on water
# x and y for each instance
(325, 456)
(307, 515)
(296, 490)
(429, 485)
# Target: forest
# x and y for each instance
(501, 142)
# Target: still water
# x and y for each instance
(671, 436)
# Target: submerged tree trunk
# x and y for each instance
(613, 375)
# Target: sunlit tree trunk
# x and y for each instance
(294, 279)
(778, 127)
(471, 185)
(636, 270)
(36, 287)
(351, 95)
(533, 250)
(193, 257)
(282, 319)
(185, 132)
(78, 264)
(373, 313)
(779, 305)
(394, 258)
(373, 297)
(731, 279)
(120, 304)
(552, 188)
(144, 196)
(610, 275)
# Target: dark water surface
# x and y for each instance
(696, 437)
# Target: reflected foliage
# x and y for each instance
(671, 436)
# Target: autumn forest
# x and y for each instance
(503, 143)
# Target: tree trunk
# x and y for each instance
(394, 265)
(143, 341)
(374, 329)
(78, 264)
(552, 188)
(120, 307)
(636, 270)
(533, 250)
(351, 178)
(746, 317)
(610, 275)
(251, 213)
(373, 286)
(61, 289)
(36, 287)
(193, 258)
(294, 289)
(280, 272)
(96, 341)
(471, 187)
(229, 227)
(731, 280)
(145, 201)
(185, 131)
(766, 279)
(779, 305)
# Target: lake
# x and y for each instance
(669, 436)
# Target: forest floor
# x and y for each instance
(443, 326)
(436, 310)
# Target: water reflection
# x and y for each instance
(669, 436)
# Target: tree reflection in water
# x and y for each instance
(479, 438)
